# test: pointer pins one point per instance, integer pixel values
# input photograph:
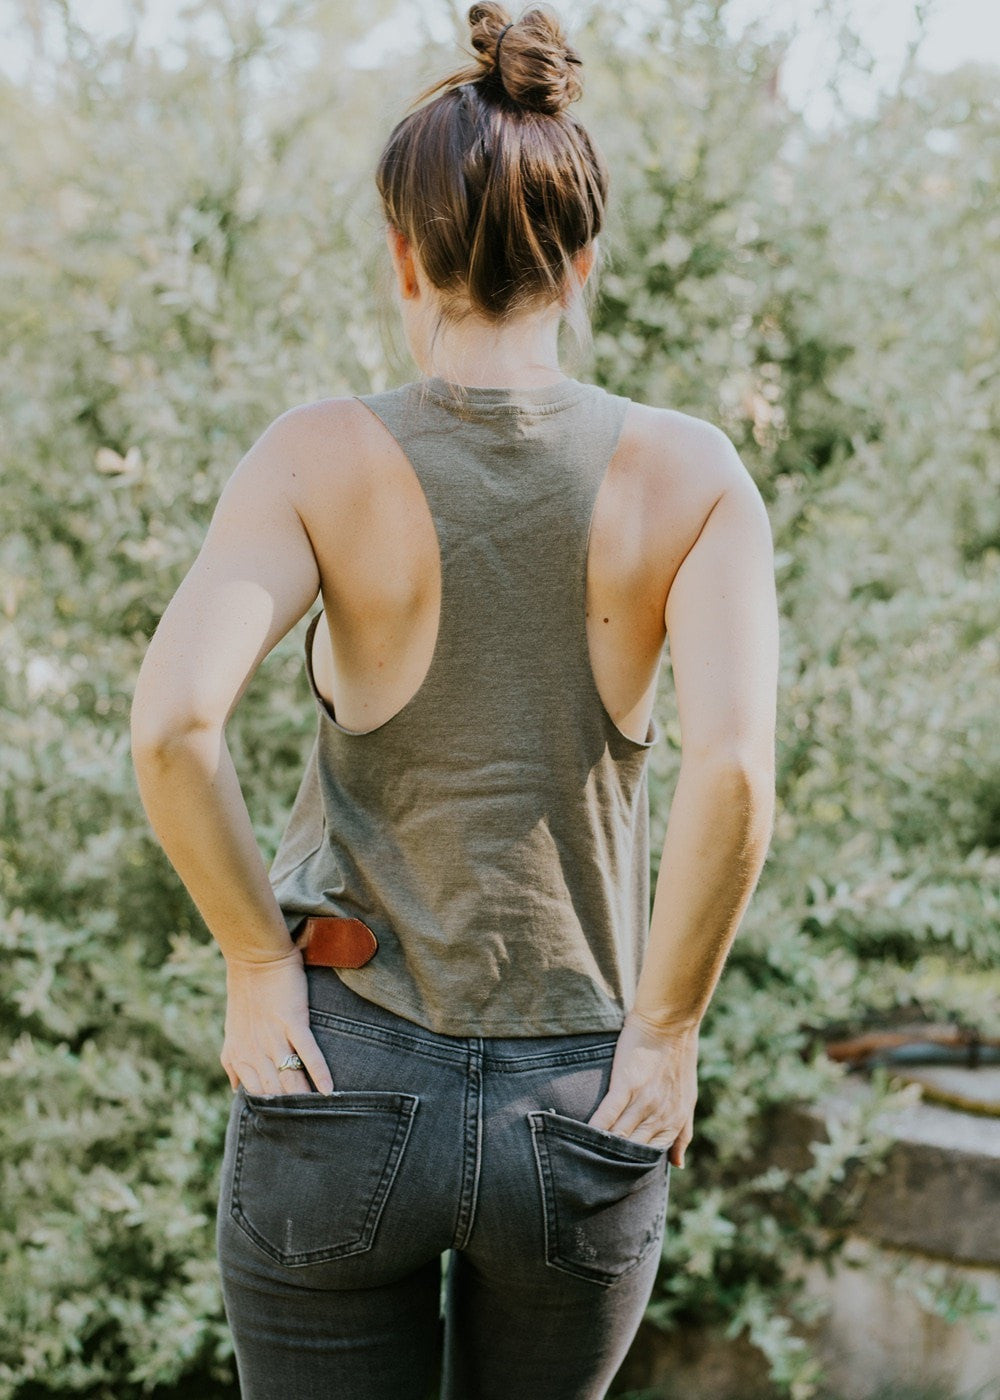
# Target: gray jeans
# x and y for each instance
(335, 1213)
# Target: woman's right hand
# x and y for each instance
(267, 1017)
(653, 1087)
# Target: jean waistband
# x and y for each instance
(331, 997)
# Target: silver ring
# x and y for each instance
(291, 1061)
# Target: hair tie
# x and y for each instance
(496, 59)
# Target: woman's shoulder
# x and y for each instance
(677, 451)
(330, 430)
(323, 455)
(344, 412)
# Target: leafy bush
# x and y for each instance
(188, 254)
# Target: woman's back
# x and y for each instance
(378, 555)
(478, 805)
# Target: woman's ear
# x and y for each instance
(401, 251)
(583, 263)
(393, 238)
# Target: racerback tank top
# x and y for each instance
(494, 832)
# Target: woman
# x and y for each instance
(452, 1029)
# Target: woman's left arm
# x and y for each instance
(254, 578)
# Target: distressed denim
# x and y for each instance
(336, 1213)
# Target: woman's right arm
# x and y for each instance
(722, 622)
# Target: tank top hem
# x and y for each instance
(599, 1021)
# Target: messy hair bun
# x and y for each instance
(497, 187)
(529, 58)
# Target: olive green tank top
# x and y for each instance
(494, 832)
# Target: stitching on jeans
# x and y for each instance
(474, 1063)
(553, 1058)
(364, 1031)
(547, 1184)
(405, 1117)
(534, 1125)
(589, 1135)
(456, 1055)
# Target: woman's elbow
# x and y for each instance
(744, 765)
(155, 729)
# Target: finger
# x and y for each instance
(283, 1081)
(608, 1112)
(678, 1150)
(293, 1081)
(250, 1079)
(315, 1065)
(652, 1133)
(639, 1121)
(315, 1071)
(649, 1132)
(267, 1072)
(685, 1136)
(632, 1125)
(280, 1081)
(268, 1079)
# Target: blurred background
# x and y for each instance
(804, 242)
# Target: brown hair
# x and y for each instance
(494, 183)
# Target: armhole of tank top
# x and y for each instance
(320, 700)
(616, 736)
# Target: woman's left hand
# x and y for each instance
(653, 1087)
(267, 1017)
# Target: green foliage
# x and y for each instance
(188, 254)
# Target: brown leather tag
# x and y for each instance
(332, 940)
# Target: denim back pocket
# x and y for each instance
(604, 1197)
(313, 1171)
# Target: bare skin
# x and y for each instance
(326, 505)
